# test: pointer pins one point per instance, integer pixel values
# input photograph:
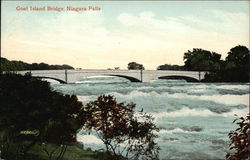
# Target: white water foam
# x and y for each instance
(88, 139)
(239, 112)
(227, 99)
(133, 94)
(223, 99)
(164, 131)
(241, 87)
(185, 111)
(84, 99)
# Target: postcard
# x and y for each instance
(136, 79)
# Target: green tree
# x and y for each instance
(237, 64)
(202, 60)
(240, 140)
(239, 55)
(32, 113)
(116, 124)
(170, 67)
(135, 66)
(235, 68)
(7, 65)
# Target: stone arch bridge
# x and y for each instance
(72, 76)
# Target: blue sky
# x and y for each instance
(151, 33)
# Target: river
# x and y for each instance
(194, 118)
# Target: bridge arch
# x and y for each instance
(59, 80)
(132, 79)
(188, 79)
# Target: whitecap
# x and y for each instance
(228, 99)
(85, 99)
(176, 130)
(224, 99)
(232, 87)
(239, 112)
(88, 139)
(133, 94)
(185, 111)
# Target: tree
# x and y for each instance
(238, 55)
(135, 66)
(7, 65)
(202, 60)
(32, 113)
(240, 140)
(62, 126)
(116, 124)
(235, 68)
(237, 64)
(170, 67)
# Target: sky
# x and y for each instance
(151, 33)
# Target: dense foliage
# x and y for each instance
(201, 60)
(170, 67)
(235, 68)
(240, 140)
(7, 65)
(122, 132)
(32, 113)
(135, 66)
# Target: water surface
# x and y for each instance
(194, 118)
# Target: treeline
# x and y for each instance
(7, 65)
(170, 67)
(235, 68)
(138, 66)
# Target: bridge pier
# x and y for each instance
(66, 76)
(141, 75)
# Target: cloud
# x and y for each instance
(218, 22)
(67, 37)
(219, 31)
(87, 40)
(221, 22)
